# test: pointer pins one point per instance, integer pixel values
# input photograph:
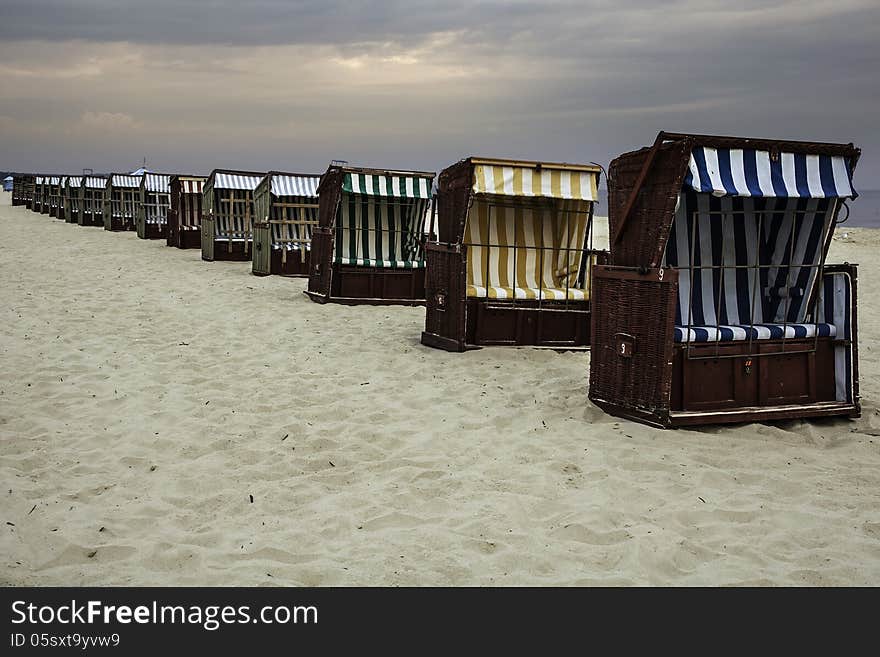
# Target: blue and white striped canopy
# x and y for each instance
(744, 172)
(295, 185)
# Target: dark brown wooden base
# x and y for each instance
(290, 264)
(737, 382)
(185, 239)
(440, 342)
(377, 284)
(182, 238)
(118, 224)
(526, 322)
(706, 377)
(733, 416)
(765, 414)
(91, 219)
(230, 251)
(147, 231)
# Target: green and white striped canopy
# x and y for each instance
(402, 186)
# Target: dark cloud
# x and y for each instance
(229, 22)
(566, 80)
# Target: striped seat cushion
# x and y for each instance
(372, 262)
(545, 294)
(756, 332)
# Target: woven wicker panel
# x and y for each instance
(642, 307)
(320, 274)
(453, 196)
(644, 235)
(329, 192)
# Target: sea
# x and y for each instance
(863, 211)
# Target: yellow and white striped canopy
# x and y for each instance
(513, 178)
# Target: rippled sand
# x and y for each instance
(169, 421)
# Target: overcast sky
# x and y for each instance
(291, 85)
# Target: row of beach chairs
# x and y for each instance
(710, 299)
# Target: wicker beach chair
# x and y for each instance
(369, 245)
(510, 262)
(286, 211)
(718, 305)
(228, 214)
(184, 223)
(122, 196)
(152, 211)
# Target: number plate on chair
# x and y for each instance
(624, 344)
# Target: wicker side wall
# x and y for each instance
(321, 255)
(632, 324)
(321, 261)
(453, 197)
(647, 227)
(329, 191)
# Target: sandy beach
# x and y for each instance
(167, 421)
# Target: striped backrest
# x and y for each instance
(124, 195)
(229, 198)
(287, 190)
(293, 235)
(55, 191)
(74, 188)
(189, 201)
(93, 194)
(526, 244)
(381, 230)
(156, 206)
(233, 213)
(156, 197)
(746, 260)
